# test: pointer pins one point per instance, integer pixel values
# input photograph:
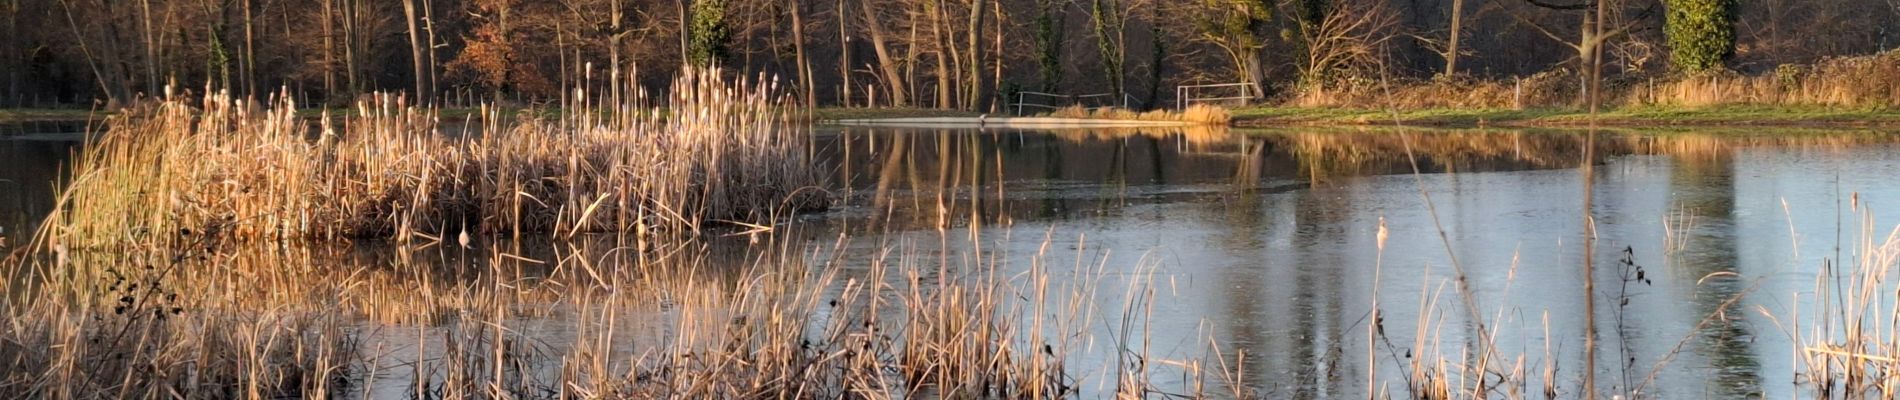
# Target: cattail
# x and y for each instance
(1382, 233)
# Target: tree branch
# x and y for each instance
(1554, 6)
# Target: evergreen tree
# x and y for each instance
(708, 33)
(1701, 33)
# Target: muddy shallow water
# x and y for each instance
(1268, 244)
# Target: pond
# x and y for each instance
(1269, 241)
(1261, 254)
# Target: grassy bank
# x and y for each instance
(840, 113)
(17, 115)
(1642, 116)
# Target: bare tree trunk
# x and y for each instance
(804, 65)
(151, 47)
(910, 53)
(616, 31)
(1108, 23)
(1158, 53)
(104, 62)
(975, 94)
(351, 14)
(329, 48)
(893, 81)
(844, 54)
(1451, 45)
(1596, 44)
(428, 29)
(249, 67)
(1587, 59)
(13, 55)
(119, 75)
(942, 46)
(501, 25)
(416, 59)
(1256, 74)
(997, 8)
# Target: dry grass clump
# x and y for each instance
(1196, 114)
(723, 151)
(1555, 88)
(1205, 114)
(1871, 81)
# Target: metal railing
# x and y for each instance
(1186, 95)
(1056, 101)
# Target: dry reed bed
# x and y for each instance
(720, 151)
(126, 325)
(1848, 338)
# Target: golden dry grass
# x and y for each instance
(1556, 88)
(1863, 82)
(1195, 114)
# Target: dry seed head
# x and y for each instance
(1382, 233)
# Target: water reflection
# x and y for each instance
(1271, 237)
(923, 177)
(27, 171)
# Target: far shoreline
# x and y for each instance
(1725, 116)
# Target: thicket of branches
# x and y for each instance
(966, 54)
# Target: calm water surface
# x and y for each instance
(1266, 243)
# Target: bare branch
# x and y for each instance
(1554, 6)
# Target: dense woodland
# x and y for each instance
(965, 54)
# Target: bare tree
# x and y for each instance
(248, 64)
(804, 66)
(1594, 32)
(1240, 29)
(98, 41)
(1457, 30)
(1109, 21)
(422, 91)
(13, 60)
(942, 48)
(844, 53)
(892, 80)
(974, 96)
(1050, 32)
(1343, 37)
